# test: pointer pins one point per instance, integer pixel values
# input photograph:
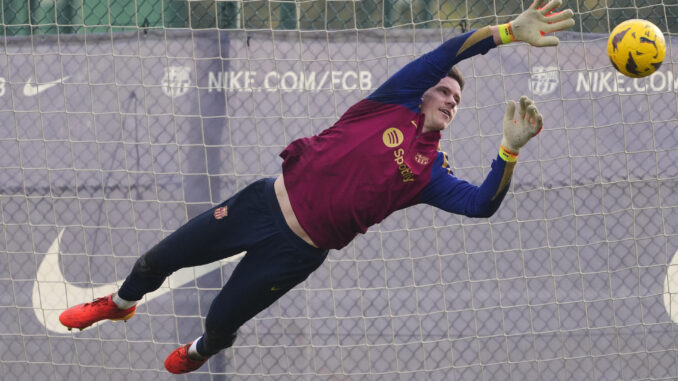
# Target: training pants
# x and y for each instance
(251, 221)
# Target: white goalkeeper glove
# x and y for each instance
(519, 131)
(531, 25)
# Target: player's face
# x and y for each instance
(439, 104)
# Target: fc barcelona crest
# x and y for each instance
(220, 213)
(421, 159)
(177, 81)
(544, 79)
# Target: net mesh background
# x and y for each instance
(138, 126)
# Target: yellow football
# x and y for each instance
(636, 48)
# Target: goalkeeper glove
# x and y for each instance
(518, 131)
(531, 25)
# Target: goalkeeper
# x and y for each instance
(380, 156)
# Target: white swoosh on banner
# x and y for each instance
(671, 289)
(33, 89)
(52, 293)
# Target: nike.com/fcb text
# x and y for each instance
(289, 81)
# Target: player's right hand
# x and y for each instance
(537, 20)
(518, 131)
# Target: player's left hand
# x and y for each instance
(539, 19)
(517, 132)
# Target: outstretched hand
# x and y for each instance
(517, 132)
(539, 19)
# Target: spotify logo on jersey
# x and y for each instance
(392, 137)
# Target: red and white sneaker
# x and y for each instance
(86, 314)
(178, 361)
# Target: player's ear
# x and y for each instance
(425, 95)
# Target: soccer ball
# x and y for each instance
(636, 48)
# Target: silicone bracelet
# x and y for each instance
(506, 33)
(507, 155)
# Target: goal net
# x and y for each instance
(119, 122)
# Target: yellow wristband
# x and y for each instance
(507, 156)
(506, 33)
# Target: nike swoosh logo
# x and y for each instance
(52, 293)
(671, 288)
(32, 89)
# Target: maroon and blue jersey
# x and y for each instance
(375, 159)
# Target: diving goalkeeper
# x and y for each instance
(380, 156)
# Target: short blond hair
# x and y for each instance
(455, 74)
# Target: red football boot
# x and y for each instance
(86, 314)
(178, 361)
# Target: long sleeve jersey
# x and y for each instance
(375, 159)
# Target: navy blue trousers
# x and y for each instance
(275, 262)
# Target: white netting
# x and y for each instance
(111, 141)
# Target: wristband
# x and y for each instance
(506, 33)
(507, 155)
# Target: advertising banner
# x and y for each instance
(111, 142)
